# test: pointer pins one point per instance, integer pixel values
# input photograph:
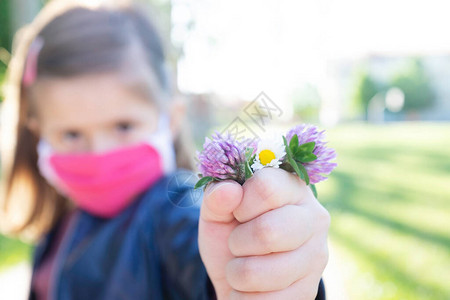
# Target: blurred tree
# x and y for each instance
(5, 31)
(365, 87)
(413, 81)
(22, 12)
(306, 101)
(13, 15)
(5, 41)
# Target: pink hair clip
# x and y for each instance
(30, 72)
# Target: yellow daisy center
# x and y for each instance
(266, 157)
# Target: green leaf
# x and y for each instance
(291, 160)
(249, 160)
(303, 170)
(288, 150)
(248, 170)
(307, 147)
(293, 144)
(314, 190)
(248, 153)
(305, 157)
(203, 181)
(297, 169)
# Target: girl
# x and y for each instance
(92, 138)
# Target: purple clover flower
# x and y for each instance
(321, 166)
(223, 157)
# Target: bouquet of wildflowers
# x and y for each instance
(302, 150)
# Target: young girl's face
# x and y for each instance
(91, 113)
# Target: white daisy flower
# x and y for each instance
(270, 153)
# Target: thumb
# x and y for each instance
(215, 225)
(220, 200)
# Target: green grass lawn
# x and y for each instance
(389, 200)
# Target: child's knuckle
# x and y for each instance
(324, 218)
(266, 233)
(248, 271)
(266, 189)
(323, 256)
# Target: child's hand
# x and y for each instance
(266, 239)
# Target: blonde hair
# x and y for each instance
(78, 39)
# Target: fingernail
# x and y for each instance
(211, 188)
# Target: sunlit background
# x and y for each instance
(375, 74)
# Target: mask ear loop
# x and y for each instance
(45, 151)
(162, 140)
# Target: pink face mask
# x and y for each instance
(104, 184)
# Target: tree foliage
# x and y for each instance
(415, 84)
(364, 89)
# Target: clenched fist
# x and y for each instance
(266, 239)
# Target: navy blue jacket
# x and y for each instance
(148, 251)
